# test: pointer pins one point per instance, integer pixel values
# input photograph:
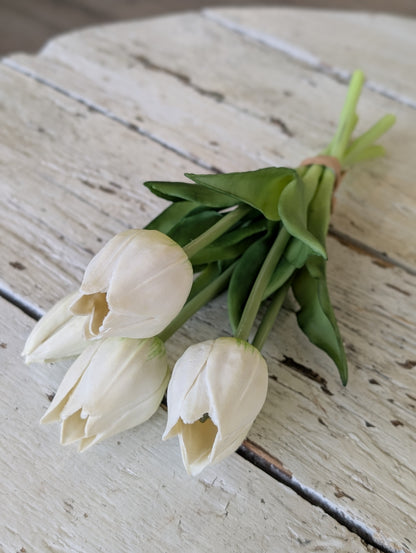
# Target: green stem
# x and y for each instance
(205, 277)
(217, 230)
(269, 318)
(368, 138)
(348, 118)
(257, 292)
(192, 306)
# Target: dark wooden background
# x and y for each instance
(25, 25)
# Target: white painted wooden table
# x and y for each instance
(82, 125)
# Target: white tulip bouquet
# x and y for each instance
(255, 235)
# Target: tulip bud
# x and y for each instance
(57, 334)
(115, 384)
(135, 286)
(216, 391)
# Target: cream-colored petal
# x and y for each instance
(115, 384)
(73, 428)
(130, 413)
(69, 384)
(134, 325)
(99, 312)
(145, 278)
(82, 304)
(49, 324)
(94, 308)
(225, 379)
(68, 341)
(196, 442)
(85, 443)
(185, 375)
(226, 445)
(235, 369)
(100, 268)
(158, 283)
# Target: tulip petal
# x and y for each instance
(67, 341)
(45, 329)
(100, 268)
(115, 384)
(68, 384)
(73, 428)
(85, 443)
(196, 442)
(129, 326)
(185, 375)
(225, 379)
(135, 286)
(243, 376)
(130, 414)
(157, 290)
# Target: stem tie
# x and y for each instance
(332, 163)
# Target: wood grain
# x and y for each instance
(26, 26)
(373, 43)
(125, 71)
(79, 136)
(131, 493)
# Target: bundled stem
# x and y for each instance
(257, 292)
(291, 209)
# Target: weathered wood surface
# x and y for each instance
(99, 112)
(26, 25)
(131, 493)
(277, 113)
(374, 42)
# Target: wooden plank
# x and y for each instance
(63, 191)
(131, 493)
(373, 42)
(354, 446)
(322, 433)
(126, 69)
(25, 26)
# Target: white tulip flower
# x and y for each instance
(217, 389)
(115, 384)
(56, 335)
(135, 286)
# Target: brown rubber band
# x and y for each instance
(332, 163)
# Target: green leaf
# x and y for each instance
(297, 252)
(222, 252)
(243, 278)
(171, 216)
(205, 277)
(176, 191)
(281, 275)
(261, 189)
(240, 233)
(294, 257)
(232, 243)
(319, 212)
(316, 317)
(192, 226)
(293, 210)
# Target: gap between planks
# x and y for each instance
(249, 450)
(352, 243)
(260, 458)
(302, 56)
(263, 460)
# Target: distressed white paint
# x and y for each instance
(71, 177)
(131, 493)
(147, 71)
(371, 41)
